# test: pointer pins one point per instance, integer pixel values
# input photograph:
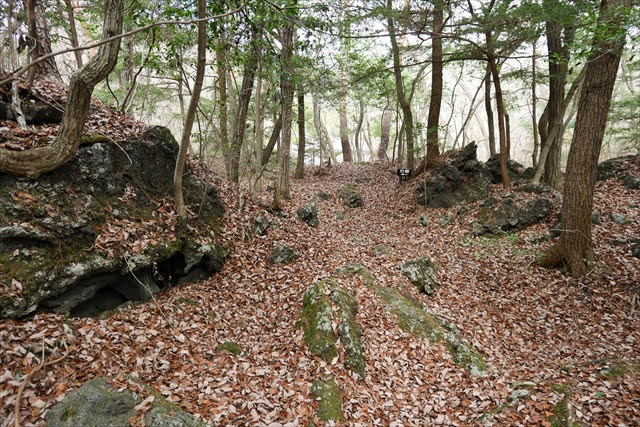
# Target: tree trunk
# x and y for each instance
(40, 43)
(240, 121)
(73, 32)
(223, 99)
(489, 110)
(504, 173)
(301, 135)
(344, 85)
(281, 190)
(575, 245)
(385, 132)
(273, 139)
(191, 111)
(557, 78)
(534, 105)
(36, 161)
(259, 131)
(435, 103)
(357, 140)
(402, 99)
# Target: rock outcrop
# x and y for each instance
(99, 229)
(283, 254)
(460, 179)
(498, 217)
(350, 197)
(516, 170)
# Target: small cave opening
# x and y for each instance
(104, 292)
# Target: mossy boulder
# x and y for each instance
(350, 197)
(422, 273)
(329, 399)
(260, 225)
(416, 320)
(511, 215)
(97, 404)
(51, 227)
(357, 269)
(315, 319)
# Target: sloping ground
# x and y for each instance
(546, 339)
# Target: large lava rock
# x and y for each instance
(616, 168)
(460, 180)
(510, 215)
(422, 273)
(308, 214)
(35, 113)
(49, 228)
(97, 404)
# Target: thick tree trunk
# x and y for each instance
(40, 42)
(385, 133)
(489, 111)
(185, 141)
(435, 103)
(402, 99)
(575, 245)
(281, 190)
(34, 162)
(299, 173)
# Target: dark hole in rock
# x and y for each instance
(104, 292)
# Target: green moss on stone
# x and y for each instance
(358, 270)
(315, 319)
(349, 330)
(561, 416)
(328, 396)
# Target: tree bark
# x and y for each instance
(357, 140)
(435, 103)
(36, 161)
(301, 135)
(575, 246)
(191, 111)
(385, 132)
(40, 43)
(534, 106)
(281, 190)
(223, 99)
(489, 111)
(402, 99)
(504, 173)
(344, 87)
(259, 131)
(273, 139)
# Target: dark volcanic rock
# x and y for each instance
(35, 113)
(283, 254)
(49, 227)
(461, 180)
(422, 274)
(510, 215)
(515, 169)
(260, 225)
(631, 181)
(308, 214)
(350, 197)
(610, 168)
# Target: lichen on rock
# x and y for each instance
(422, 274)
(329, 398)
(316, 319)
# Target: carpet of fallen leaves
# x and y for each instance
(538, 329)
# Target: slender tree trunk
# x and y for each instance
(507, 130)
(273, 139)
(435, 102)
(489, 110)
(369, 141)
(402, 99)
(385, 133)
(534, 105)
(281, 190)
(223, 99)
(356, 138)
(36, 161)
(240, 121)
(575, 245)
(259, 130)
(344, 84)
(191, 111)
(301, 135)
(506, 181)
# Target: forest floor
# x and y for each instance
(561, 340)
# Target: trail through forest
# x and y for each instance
(547, 340)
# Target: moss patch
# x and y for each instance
(349, 330)
(357, 270)
(231, 347)
(328, 396)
